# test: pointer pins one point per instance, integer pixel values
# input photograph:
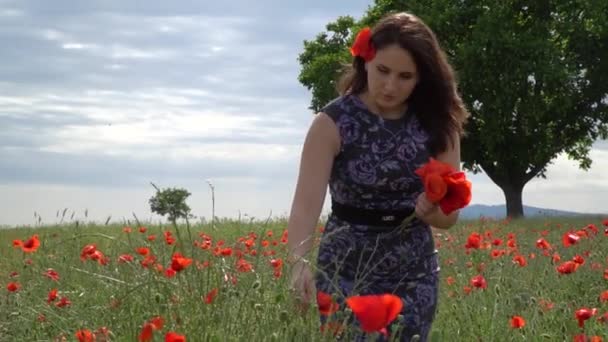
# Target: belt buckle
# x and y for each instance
(388, 218)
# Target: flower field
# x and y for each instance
(521, 280)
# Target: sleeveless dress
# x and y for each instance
(375, 170)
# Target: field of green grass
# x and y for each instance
(124, 283)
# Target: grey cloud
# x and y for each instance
(35, 130)
(115, 29)
(66, 63)
(37, 167)
(267, 9)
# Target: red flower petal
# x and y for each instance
(362, 46)
(375, 312)
(458, 194)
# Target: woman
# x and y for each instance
(398, 106)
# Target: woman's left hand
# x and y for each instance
(424, 208)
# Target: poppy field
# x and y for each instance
(501, 280)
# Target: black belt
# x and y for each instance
(371, 217)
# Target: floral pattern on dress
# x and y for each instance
(375, 170)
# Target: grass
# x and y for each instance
(253, 302)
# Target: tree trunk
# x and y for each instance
(512, 182)
(513, 196)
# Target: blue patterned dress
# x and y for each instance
(375, 170)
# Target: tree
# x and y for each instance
(533, 74)
(170, 202)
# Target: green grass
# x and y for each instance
(123, 296)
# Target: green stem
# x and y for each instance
(406, 221)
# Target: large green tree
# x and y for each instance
(534, 75)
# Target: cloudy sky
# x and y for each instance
(100, 98)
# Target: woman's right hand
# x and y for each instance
(302, 284)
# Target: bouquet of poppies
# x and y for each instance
(443, 185)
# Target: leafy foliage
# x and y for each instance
(171, 202)
(533, 75)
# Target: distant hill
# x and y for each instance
(499, 211)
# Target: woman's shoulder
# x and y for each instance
(338, 107)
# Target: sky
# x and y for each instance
(100, 98)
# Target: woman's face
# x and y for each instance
(391, 77)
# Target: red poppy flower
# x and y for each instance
(593, 228)
(169, 239)
(543, 244)
(211, 296)
(179, 262)
(143, 251)
(51, 296)
(13, 287)
(569, 239)
(458, 195)
(375, 312)
(51, 273)
(517, 322)
(146, 333)
(434, 166)
(555, 257)
(567, 267)
(362, 46)
(435, 187)
(276, 263)
(584, 338)
(31, 245)
(584, 314)
(99, 257)
(578, 259)
(604, 296)
(149, 327)
(244, 266)
(225, 251)
(85, 336)
(521, 260)
(457, 192)
(496, 253)
(473, 241)
(479, 281)
(174, 337)
(157, 322)
(125, 258)
(87, 251)
(326, 304)
(63, 302)
(148, 261)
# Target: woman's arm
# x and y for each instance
(436, 217)
(321, 145)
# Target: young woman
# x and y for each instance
(398, 106)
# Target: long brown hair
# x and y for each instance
(435, 99)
